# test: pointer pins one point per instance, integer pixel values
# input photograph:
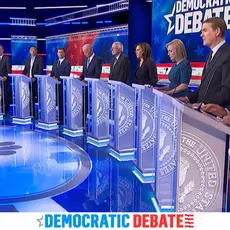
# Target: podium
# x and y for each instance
(122, 124)
(98, 112)
(21, 86)
(192, 159)
(47, 117)
(1, 98)
(73, 91)
(147, 125)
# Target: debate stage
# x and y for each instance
(48, 171)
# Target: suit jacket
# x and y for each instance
(5, 66)
(215, 81)
(37, 68)
(63, 70)
(121, 70)
(147, 73)
(93, 70)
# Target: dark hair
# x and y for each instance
(147, 52)
(35, 47)
(217, 22)
(62, 49)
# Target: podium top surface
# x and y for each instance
(72, 78)
(39, 76)
(93, 79)
(206, 118)
(158, 93)
(67, 77)
(119, 83)
(16, 75)
(141, 86)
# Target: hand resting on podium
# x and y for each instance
(184, 100)
(215, 110)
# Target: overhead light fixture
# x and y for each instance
(101, 5)
(59, 7)
(148, 0)
(12, 8)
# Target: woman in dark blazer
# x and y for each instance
(146, 72)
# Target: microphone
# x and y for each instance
(163, 74)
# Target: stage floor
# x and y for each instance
(50, 172)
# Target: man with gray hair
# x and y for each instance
(119, 65)
(92, 64)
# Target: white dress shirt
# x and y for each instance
(32, 59)
(216, 48)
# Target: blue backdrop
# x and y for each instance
(184, 21)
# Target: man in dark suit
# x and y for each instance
(215, 82)
(92, 64)
(5, 69)
(119, 65)
(34, 65)
(61, 67)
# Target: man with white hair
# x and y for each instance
(92, 65)
(119, 65)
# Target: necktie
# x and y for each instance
(59, 63)
(209, 59)
(115, 62)
(88, 61)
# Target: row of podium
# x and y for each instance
(183, 152)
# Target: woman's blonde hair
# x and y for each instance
(180, 48)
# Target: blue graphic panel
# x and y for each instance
(103, 43)
(183, 20)
(51, 48)
(20, 47)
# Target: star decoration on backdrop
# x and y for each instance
(71, 56)
(163, 24)
(154, 17)
(158, 4)
(199, 51)
(156, 39)
(75, 45)
(167, 17)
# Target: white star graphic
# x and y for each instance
(75, 45)
(167, 17)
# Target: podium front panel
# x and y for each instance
(125, 118)
(202, 168)
(47, 99)
(168, 148)
(122, 117)
(21, 85)
(73, 103)
(102, 112)
(147, 126)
